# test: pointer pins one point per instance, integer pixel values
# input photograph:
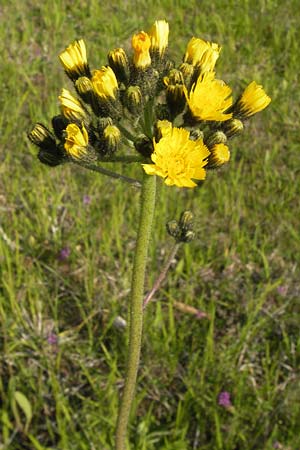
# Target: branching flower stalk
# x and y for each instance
(173, 122)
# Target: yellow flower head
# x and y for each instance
(178, 159)
(252, 100)
(159, 35)
(219, 155)
(202, 54)
(141, 44)
(74, 60)
(70, 106)
(105, 83)
(76, 141)
(210, 98)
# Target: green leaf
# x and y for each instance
(25, 406)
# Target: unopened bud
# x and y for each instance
(118, 61)
(182, 231)
(187, 71)
(83, 85)
(186, 220)
(103, 122)
(133, 99)
(219, 155)
(52, 157)
(218, 137)
(175, 98)
(174, 77)
(112, 138)
(41, 136)
(173, 228)
(196, 134)
(188, 236)
(232, 127)
(59, 124)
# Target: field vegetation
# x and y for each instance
(67, 240)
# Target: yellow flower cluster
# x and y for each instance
(179, 119)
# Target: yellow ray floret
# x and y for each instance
(70, 106)
(210, 98)
(159, 35)
(74, 60)
(76, 141)
(252, 100)
(141, 44)
(178, 159)
(203, 54)
(105, 83)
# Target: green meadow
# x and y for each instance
(67, 240)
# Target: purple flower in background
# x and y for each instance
(224, 399)
(52, 339)
(86, 199)
(282, 290)
(64, 254)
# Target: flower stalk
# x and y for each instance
(136, 307)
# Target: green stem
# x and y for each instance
(136, 306)
(111, 174)
(124, 158)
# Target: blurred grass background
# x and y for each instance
(62, 355)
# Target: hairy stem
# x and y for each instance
(111, 174)
(136, 307)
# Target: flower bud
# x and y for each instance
(133, 99)
(217, 137)
(103, 122)
(186, 220)
(83, 85)
(112, 138)
(141, 44)
(173, 228)
(59, 124)
(232, 127)
(196, 134)
(182, 231)
(52, 157)
(187, 71)
(219, 155)
(41, 137)
(118, 61)
(176, 99)
(188, 236)
(174, 77)
(85, 89)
